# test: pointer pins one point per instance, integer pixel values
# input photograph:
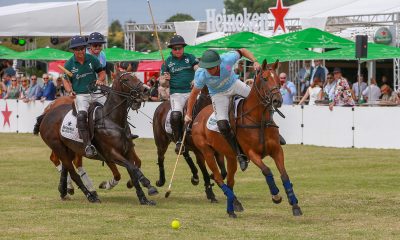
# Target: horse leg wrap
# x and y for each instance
(271, 183)
(230, 197)
(85, 179)
(111, 184)
(69, 182)
(289, 192)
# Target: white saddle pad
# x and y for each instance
(69, 129)
(68, 126)
(212, 120)
(168, 127)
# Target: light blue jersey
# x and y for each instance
(224, 81)
(101, 57)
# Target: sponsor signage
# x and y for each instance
(383, 36)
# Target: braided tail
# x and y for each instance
(36, 128)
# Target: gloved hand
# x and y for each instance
(188, 119)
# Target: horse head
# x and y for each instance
(267, 85)
(132, 88)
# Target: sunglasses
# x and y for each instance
(78, 48)
(33, 79)
(282, 77)
(45, 78)
(13, 80)
(177, 48)
(96, 45)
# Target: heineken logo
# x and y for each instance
(383, 36)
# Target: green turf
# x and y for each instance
(344, 194)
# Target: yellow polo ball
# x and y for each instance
(175, 224)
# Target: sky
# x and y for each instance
(138, 10)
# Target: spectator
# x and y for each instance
(34, 90)
(7, 80)
(10, 71)
(24, 88)
(13, 89)
(386, 92)
(314, 92)
(60, 89)
(48, 90)
(154, 91)
(239, 70)
(372, 92)
(329, 89)
(384, 80)
(318, 72)
(288, 90)
(343, 95)
(3, 89)
(357, 91)
(304, 76)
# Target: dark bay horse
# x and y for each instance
(163, 139)
(109, 184)
(257, 135)
(110, 137)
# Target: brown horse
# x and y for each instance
(109, 184)
(110, 137)
(257, 135)
(163, 139)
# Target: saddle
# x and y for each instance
(95, 120)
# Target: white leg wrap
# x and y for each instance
(85, 179)
(69, 182)
(111, 184)
(59, 167)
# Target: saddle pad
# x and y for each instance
(168, 127)
(68, 126)
(212, 120)
(69, 129)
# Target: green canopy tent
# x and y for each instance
(237, 40)
(312, 38)
(5, 50)
(44, 54)
(115, 54)
(278, 52)
(375, 52)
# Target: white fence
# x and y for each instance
(360, 127)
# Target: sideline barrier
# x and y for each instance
(360, 127)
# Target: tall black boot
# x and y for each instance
(226, 131)
(177, 131)
(90, 150)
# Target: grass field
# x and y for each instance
(344, 194)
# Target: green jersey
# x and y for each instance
(83, 74)
(181, 71)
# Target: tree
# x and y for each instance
(180, 17)
(115, 34)
(253, 6)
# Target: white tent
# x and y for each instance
(54, 18)
(329, 8)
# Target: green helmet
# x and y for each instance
(210, 59)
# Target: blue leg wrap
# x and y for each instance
(271, 183)
(289, 192)
(230, 197)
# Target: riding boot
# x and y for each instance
(177, 125)
(129, 134)
(225, 130)
(90, 150)
(282, 141)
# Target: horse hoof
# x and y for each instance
(276, 199)
(213, 200)
(195, 181)
(145, 201)
(93, 198)
(232, 214)
(237, 206)
(152, 191)
(129, 184)
(94, 193)
(160, 183)
(103, 185)
(65, 198)
(296, 210)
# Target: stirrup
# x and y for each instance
(90, 151)
(177, 147)
(243, 161)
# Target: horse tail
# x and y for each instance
(36, 128)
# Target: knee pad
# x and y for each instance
(224, 127)
(176, 117)
(81, 119)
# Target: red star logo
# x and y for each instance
(6, 115)
(279, 13)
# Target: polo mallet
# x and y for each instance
(176, 163)
(65, 70)
(155, 31)
(79, 18)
